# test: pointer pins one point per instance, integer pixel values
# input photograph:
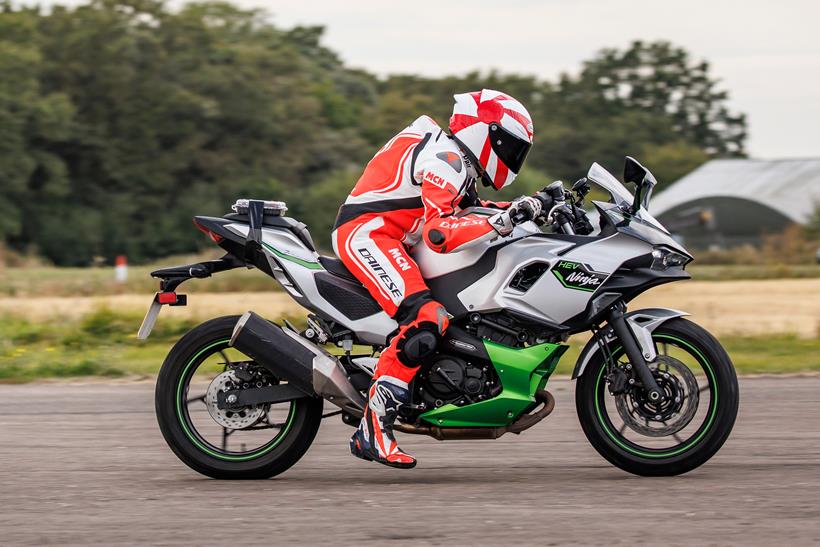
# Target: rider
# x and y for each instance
(413, 189)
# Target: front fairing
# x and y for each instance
(640, 225)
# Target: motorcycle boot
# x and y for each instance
(374, 440)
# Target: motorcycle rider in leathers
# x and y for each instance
(414, 189)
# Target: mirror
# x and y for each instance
(643, 179)
(634, 171)
(581, 188)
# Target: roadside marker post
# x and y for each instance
(121, 269)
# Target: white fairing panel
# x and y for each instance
(287, 254)
(548, 299)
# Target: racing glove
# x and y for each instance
(520, 210)
(530, 206)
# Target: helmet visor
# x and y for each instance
(510, 149)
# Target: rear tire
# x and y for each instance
(278, 455)
(591, 389)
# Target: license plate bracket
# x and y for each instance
(160, 299)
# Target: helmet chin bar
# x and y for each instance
(486, 181)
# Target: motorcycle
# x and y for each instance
(241, 397)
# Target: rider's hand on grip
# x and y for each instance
(525, 208)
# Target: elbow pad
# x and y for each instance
(450, 234)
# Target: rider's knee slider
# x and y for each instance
(423, 322)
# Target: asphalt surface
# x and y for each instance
(87, 464)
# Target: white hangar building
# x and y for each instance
(731, 202)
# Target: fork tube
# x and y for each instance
(633, 351)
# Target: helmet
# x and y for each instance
(495, 132)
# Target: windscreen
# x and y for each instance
(622, 197)
(605, 180)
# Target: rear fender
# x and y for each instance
(642, 323)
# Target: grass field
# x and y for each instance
(77, 322)
(756, 307)
(102, 343)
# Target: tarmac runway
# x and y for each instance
(86, 463)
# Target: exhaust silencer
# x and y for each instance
(303, 364)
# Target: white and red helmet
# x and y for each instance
(495, 131)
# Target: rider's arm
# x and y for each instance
(441, 190)
(471, 199)
(495, 204)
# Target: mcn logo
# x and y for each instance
(436, 180)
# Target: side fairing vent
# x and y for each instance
(526, 277)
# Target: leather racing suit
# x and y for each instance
(412, 189)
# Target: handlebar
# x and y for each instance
(558, 204)
(520, 217)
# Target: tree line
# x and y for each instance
(120, 120)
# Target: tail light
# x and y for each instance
(213, 235)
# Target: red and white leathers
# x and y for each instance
(411, 189)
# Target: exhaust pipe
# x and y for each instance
(303, 364)
(471, 433)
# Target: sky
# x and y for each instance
(765, 53)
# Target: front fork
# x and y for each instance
(639, 358)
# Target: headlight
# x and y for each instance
(663, 259)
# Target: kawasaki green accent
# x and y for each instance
(566, 286)
(522, 372)
(307, 264)
(193, 438)
(668, 453)
(578, 276)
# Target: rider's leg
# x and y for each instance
(379, 260)
(415, 341)
(382, 264)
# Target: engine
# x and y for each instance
(450, 379)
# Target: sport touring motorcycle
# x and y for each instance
(242, 397)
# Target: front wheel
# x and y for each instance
(668, 438)
(254, 442)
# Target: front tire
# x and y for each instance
(299, 421)
(654, 454)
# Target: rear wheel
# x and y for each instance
(254, 442)
(672, 437)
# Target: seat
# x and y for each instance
(337, 267)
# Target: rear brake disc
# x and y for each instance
(233, 418)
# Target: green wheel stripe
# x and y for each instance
(261, 452)
(689, 445)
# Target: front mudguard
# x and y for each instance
(641, 322)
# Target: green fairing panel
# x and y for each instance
(522, 372)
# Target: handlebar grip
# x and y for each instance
(520, 217)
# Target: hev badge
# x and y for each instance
(575, 275)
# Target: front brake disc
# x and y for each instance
(670, 415)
